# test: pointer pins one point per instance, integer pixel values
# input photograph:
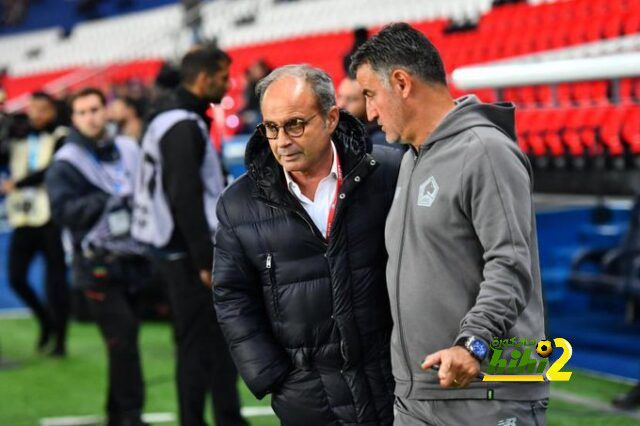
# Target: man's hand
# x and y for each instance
(206, 278)
(457, 366)
(7, 186)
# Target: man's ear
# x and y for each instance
(332, 118)
(401, 82)
(199, 82)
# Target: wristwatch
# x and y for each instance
(476, 347)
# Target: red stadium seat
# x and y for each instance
(631, 129)
(543, 95)
(626, 90)
(610, 132)
(612, 27)
(563, 94)
(631, 23)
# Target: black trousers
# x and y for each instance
(113, 307)
(204, 364)
(26, 243)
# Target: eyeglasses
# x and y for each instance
(293, 128)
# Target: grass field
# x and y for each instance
(75, 386)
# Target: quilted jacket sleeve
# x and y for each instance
(261, 361)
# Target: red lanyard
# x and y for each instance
(332, 209)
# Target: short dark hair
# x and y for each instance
(87, 91)
(137, 105)
(44, 96)
(400, 45)
(208, 59)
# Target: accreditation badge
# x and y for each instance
(119, 222)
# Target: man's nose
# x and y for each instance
(283, 139)
(372, 113)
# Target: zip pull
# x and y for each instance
(269, 261)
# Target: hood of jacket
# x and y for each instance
(470, 112)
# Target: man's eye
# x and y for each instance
(293, 124)
(271, 127)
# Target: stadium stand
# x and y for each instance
(566, 126)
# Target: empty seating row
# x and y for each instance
(599, 137)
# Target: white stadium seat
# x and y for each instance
(159, 33)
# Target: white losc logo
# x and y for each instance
(428, 192)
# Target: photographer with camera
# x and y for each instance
(90, 184)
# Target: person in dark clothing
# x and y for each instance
(89, 184)
(127, 114)
(250, 112)
(350, 98)
(299, 266)
(179, 183)
(29, 214)
(360, 35)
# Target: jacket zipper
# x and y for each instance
(274, 285)
(315, 232)
(400, 327)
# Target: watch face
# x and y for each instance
(478, 348)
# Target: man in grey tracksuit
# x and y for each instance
(461, 236)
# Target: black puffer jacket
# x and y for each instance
(307, 319)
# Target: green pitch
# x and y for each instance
(42, 387)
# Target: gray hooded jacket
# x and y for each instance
(463, 255)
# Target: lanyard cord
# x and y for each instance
(332, 209)
(33, 144)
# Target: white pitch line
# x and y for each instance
(257, 411)
(15, 313)
(148, 417)
(72, 421)
(591, 403)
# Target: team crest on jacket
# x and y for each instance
(428, 192)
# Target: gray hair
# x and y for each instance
(320, 82)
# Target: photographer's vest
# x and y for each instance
(29, 206)
(113, 177)
(152, 219)
(112, 230)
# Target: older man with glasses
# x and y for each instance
(299, 265)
